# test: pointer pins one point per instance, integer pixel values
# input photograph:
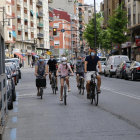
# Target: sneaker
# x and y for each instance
(99, 91)
(78, 85)
(50, 82)
(88, 96)
(56, 88)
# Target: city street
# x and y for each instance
(117, 117)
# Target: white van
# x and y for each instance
(103, 60)
(112, 63)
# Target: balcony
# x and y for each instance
(50, 28)
(40, 35)
(19, 13)
(39, 3)
(81, 26)
(31, 7)
(50, 19)
(26, 27)
(31, 18)
(19, 25)
(18, 2)
(80, 19)
(25, 4)
(51, 38)
(81, 33)
(89, 14)
(19, 37)
(42, 45)
(79, 4)
(51, 47)
(50, 9)
(25, 15)
(73, 39)
(40, 14)
(40, 25)
(81, 39)
(80, 13)
(89, 9)
(50, 1)
(26, 38)
(32, 29)
(138, 17)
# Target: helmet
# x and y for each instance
(63, 59)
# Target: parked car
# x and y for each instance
(9, 91)
(16, 61)
(103, 60)
(120, 71)
(10, 76)
(112, 63)
(133, 71)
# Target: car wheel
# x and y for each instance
(14, 96)
(120, 76)
(10, 106)
(105, 74)
(132, 77)
(110, 75)
(116, 75)
(126, 77)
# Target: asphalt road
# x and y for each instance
(117, 116)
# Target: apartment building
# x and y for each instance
(88, 13)
(62, 41)
(9, 28)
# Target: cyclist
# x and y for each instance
(64, 71)
(40, 70)
(52, 63)
(79, 69)
(90, 67)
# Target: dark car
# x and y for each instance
(71, 65)
(9, 91)
(133, 71)
(120, 71)
(10, 76)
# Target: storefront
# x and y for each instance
(126, 49)
(137, 48)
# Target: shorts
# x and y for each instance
(80, 74)
(54, 72)
(88, 75)
(63, 77)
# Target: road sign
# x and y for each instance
(49, 53)
(99, 54)
(62, 30)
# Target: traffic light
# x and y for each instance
(54, 31)
(35, 40)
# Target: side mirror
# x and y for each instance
(8, 76)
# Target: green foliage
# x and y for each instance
(117, 26)
(89, 33)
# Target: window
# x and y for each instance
(124, 59)
(9, 34)
(56, 43)
(9, 22)
(117, 61)
(9, 9)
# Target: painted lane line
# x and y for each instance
(15, 109)
(124, 94)
(27, 94)
(14, 119)
(13, 134)
(17, 93)
(16, 103)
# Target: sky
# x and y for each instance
(92, 2)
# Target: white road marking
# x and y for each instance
(121, 93)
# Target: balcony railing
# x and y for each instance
(39, 3)
(19, 25)
(31, 7)
(129, 23)
(138, 17)
(18, 1)
(32, 29)
(26, 38)
(80, 19)
(25, 27)
(50, 1)
(50, 9)
(25, 4)
(19, 37)
(50, 28)
(80, 13)
(42, 45)
(40, 35)
(40, 14)
(31, 17)
(50, 18)
(51, 47)
(81, 26)
(19, 13)
(51, 38)
(40, 24)
(25, 15)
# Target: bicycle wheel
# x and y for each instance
(82, 87)
(96, 97)
(54, 86)
(79, 88)
(41, 92)
(65, 94)
(91, 93)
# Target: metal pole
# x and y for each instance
(22, 47)
(131, 45)
(6, 94)
(72, 41)
(95, 20)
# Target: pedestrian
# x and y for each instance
(30, 63)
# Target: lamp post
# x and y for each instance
(95, 20)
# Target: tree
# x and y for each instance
(89, 33)
(117, 26)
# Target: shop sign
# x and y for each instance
(39, 52)
(49, 53)
(128, 44)
(16, 50)
(28, 53)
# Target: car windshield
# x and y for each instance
(117, 60)
(14, 61)
(128, 64)
(57, 59)
(102, 59)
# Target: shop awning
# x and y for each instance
(36, 56)
(32, 12)
(26, 19)
(20, 56)
(34, 53)
(14, 34)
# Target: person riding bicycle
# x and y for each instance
(79, 69)
(90, 67)
(52, 63)
(40, 70)
(64, 71)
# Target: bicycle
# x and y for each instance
(81, 85)
(93, 90)
(53, 82)
(41, 83)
